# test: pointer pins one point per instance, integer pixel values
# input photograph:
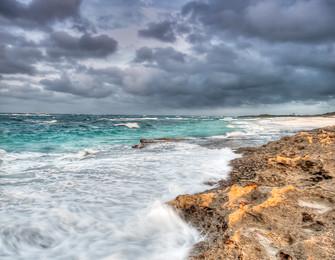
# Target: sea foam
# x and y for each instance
(129, 125)
(110, 206)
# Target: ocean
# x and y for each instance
(72, 186)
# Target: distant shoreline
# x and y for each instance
(330, 114)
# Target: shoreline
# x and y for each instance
(278, 203)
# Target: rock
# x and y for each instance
(145, 142)
(277, 204)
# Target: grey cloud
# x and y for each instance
(9, 38)
(238, 52)
(79, 88)
(108, 14)
(273, 20)
(229, 76)
(226, 76)
(14, 60)
(320, 57)
(253, 52)
(161, 56)
(25, 91)
(163, 31)
(39, 12)
(65, 45)
(86, 82)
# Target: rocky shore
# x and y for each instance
(279, 203)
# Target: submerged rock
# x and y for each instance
(279, 203)
(145, 142)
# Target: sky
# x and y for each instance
(214, 57)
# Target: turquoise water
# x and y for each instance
(73, 188)
(52, 133)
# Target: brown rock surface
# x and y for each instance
(279, 203)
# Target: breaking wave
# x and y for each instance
(103, 204)
(129, 125)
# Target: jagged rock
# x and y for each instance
(279, 203)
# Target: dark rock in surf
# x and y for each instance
(145, 142)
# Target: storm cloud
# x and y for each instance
(18, 60)
(65, 45)
(39, 11)
(180, 55)
(17, 55)
(273, 20)
(90, 89)
(163, 31)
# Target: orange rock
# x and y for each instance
(308, 137)
(200, 200)
(287, 160)
(277, 196)
(326, 139)
(236, 192)
(237, 215)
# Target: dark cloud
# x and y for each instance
(86, 82)
(63, 44)
(235, 75)
(117, 13)
(163, 31)
(82, 88)
(39, 12)
(18, 59)
(251, 52)
(229, 53)
(11, 9)
(273, 20)
(165, 58)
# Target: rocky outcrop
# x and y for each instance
(279, 203)
(145, 142)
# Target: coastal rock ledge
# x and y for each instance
(279, 203)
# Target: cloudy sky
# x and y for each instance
(167, 57)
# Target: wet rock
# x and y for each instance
(145, 142)
(210, 183)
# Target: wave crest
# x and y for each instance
(129, 125)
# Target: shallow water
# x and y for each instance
(71, 186)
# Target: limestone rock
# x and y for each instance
(279, 203)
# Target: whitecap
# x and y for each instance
(81, 155)
(142, 118)
(177, 118)
(227, 119)
(51, 122)
(86, 153)
(41, 121)
(128, 119)
(2, 152)
(129, 125)
(230, 134)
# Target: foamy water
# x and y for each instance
(73, 188)
(104, 204)
(262, 130)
